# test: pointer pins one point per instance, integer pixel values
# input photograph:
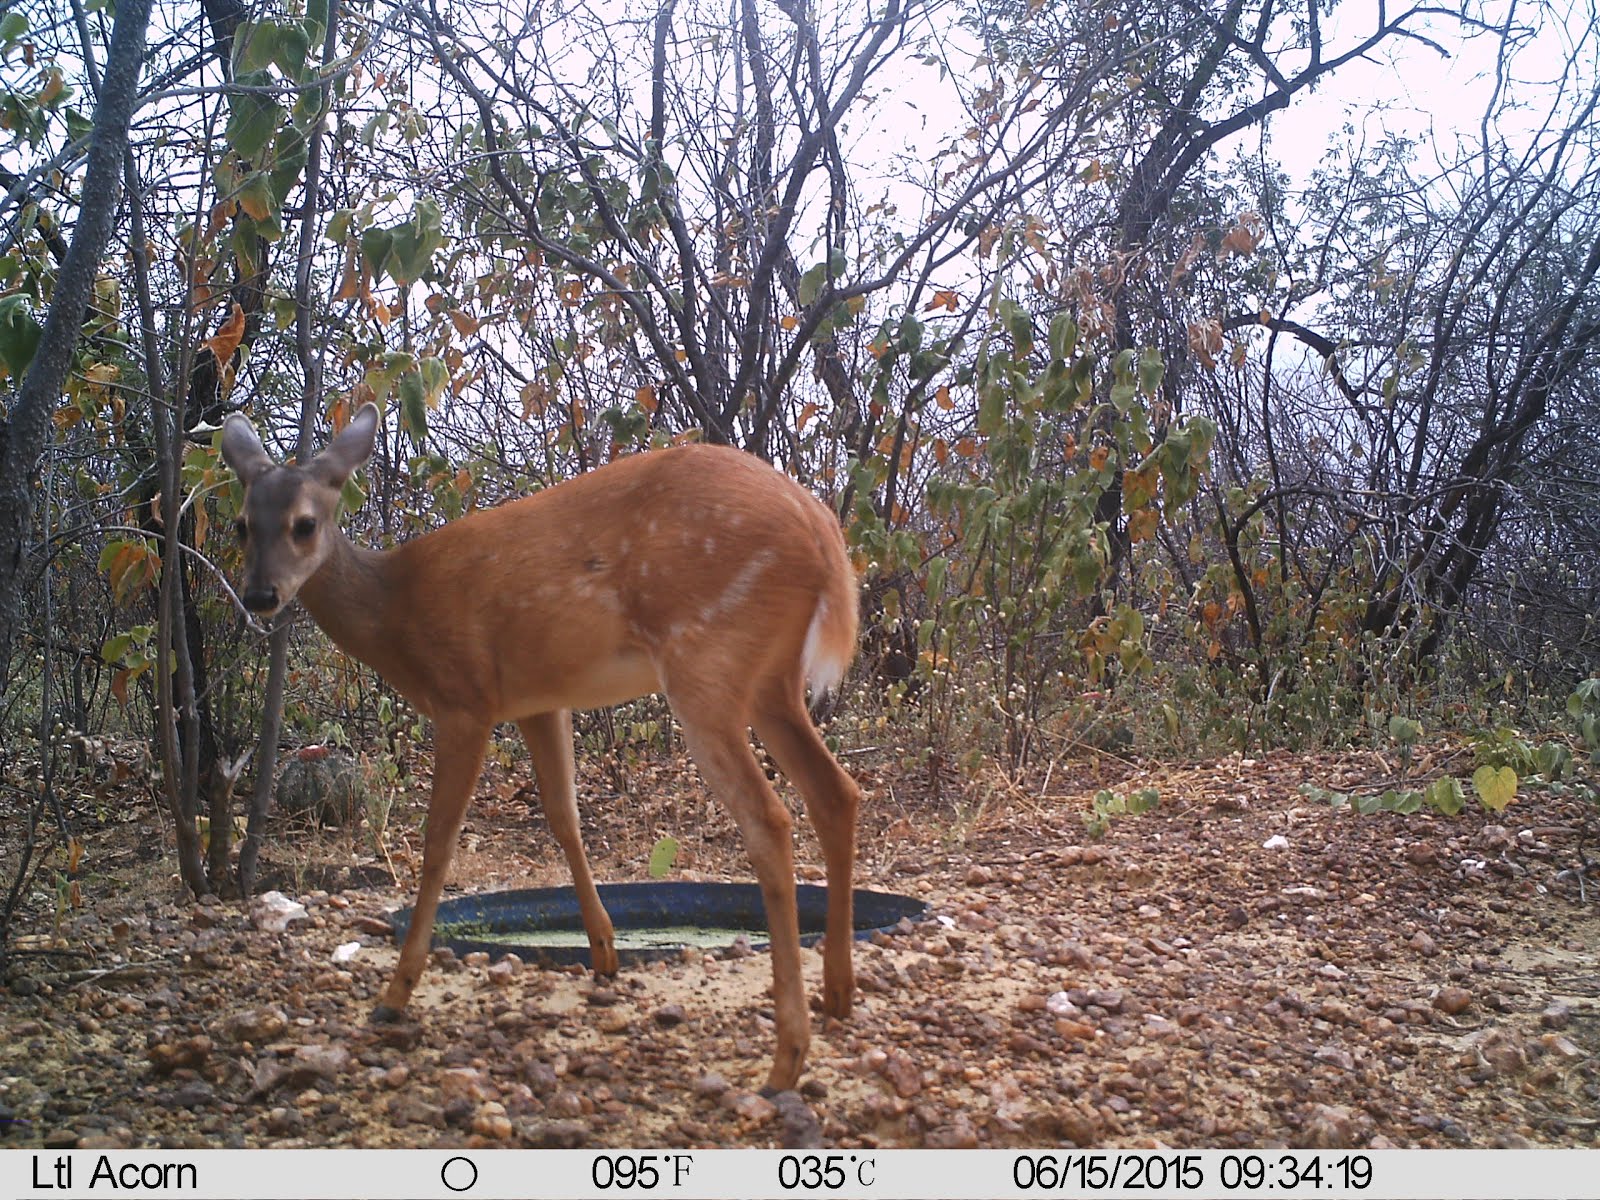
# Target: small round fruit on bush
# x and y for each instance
(326, 787)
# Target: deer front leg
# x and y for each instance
(549, 738)
(458, 756)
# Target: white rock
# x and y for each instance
(272, 912)
(1058, 1005)
(345, 952)
(1276, 842)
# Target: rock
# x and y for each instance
(1075, 1031)
(490, 1121)
(958, 1135)
(271, 912)
(461, 1083)
(541, 1078)
(1452, 1000)
(1060, 1004)
(345, 951)
(1423, 944)
(903, 1074)
(1561, 1045)
(1329, 1127)
(1078, 1127)
(1557, 1016)
(310, 1063)
(504, 972)
(197, 1093)
(747, 1106)
(566, 1103)
(800, 1129)
(285, 1122)
(1336, 1056)
(1503, 1053)
(256, 1024)
(710, 1085)
(554, 1135)
(1276, 842)
(167, 1057)
(1110, 999)
(669, 1016)
(408, 1109)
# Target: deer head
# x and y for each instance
(289, 520)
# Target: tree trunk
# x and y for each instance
(29, 426)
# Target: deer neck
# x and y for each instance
(348, 597)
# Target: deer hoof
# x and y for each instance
(383, 1014)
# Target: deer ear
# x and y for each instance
(348, 450)
(242, 449)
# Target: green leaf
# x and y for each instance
(413, 407)
(339, 225)
(1496, 786)
(13, 28)
(254, 118)
(435, 378)
(1446, 795)
(292, 47)
(254, 44)
(811, 284)
(415, 241)
(1063, 336)
(19, 333)
(115, 647)
(662, 856)
(1151, 369)
(1404, 730)
(375, 246)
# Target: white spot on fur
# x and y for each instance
(711, 545)
(742, 584)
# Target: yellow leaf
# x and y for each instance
(53, 87)
(789, 322)
(225, 342)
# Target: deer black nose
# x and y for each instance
(261, 599)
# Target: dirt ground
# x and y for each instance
(1241, 966)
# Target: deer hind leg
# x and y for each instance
(458, 757)
(714, 730)
(832, 800)
(549, 738)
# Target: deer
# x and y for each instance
(697, 571)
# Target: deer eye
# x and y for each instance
(241, 530)
(304, 527)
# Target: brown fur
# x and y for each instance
(699, 571)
